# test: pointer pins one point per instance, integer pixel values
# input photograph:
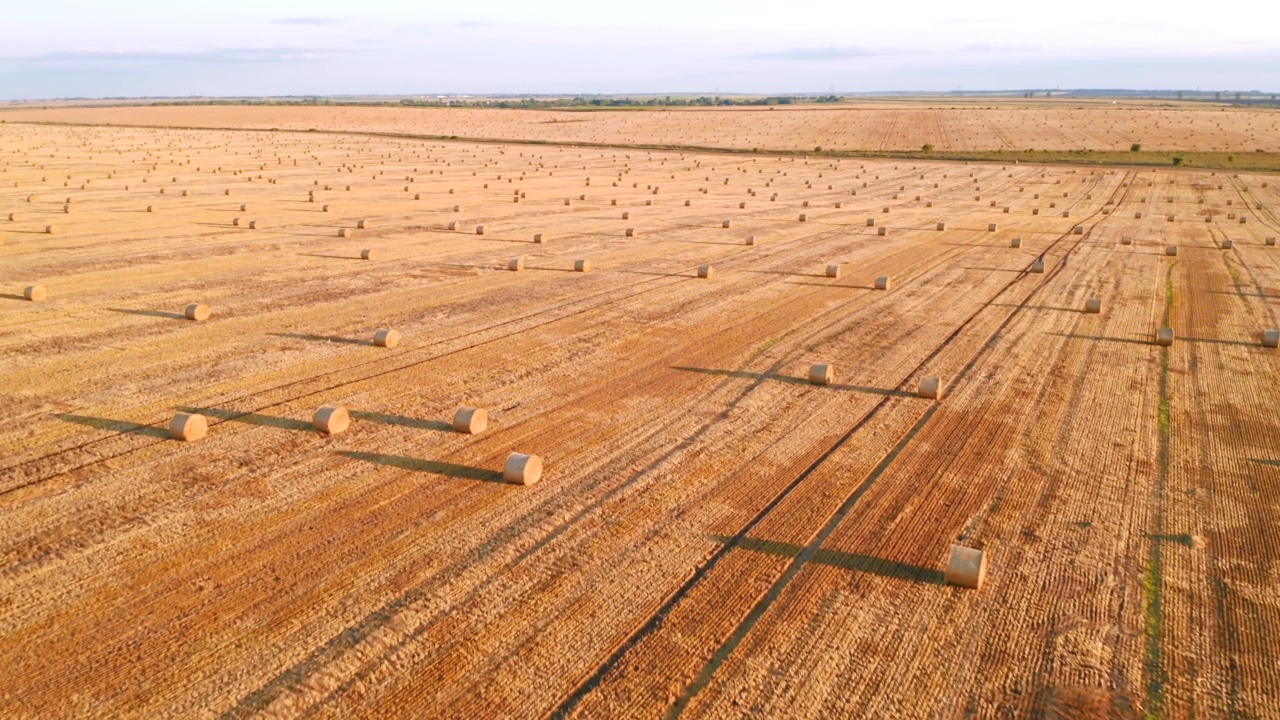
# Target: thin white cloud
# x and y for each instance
(834, 52)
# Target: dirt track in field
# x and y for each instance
(714, 536)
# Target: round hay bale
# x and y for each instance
(1015, 243)
(188, 427)
(14, 217)
(244, 207)
(153, 208)
(882, 282)
(726, 224)
(1271, 338)
(51, 230)
(538, 238)
(1093, 305)
(235, 222)
(457, 208)
(479, 229)
(331, 419)
(522, 469)
(515, 264)
(689, 203)
(35, 293)
(362, 224)
(68, 208)
(453, 225)
(631, 232)
(930, 388)
(582, 265)
(942, 226)
(751, 240)
(324, 208)
(822, 374)
(966, 567)
(1164, 336)
(255, 224)
(833, 271)
(386, 337)
(705, 271)
(197, 312)
(368, 254)
(1171, 250)
(470, 420)
(344, 232)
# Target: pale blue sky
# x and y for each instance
(95, 48)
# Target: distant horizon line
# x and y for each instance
(1158, 93)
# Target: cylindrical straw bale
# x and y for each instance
(188, 427)
(522, 469)
(331, 419)
(35, 293)
(479, 229)
(882, 282)
(470, 420)
(51, 229)
(386, 337)
(197, 312)
(966, 567)
(515, 264)
(822, 374)
(582, 265)
(344, 232)
(539, 238)
(631, 232)
(705, 271)
(1271, 338)
(833, 271)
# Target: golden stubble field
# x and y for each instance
(868, 126)
(713, 535)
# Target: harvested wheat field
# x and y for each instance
(657, 513)
(868, 126)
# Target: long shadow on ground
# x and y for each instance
(427, 466)
(400, 420)
(843, 560)
(251, 418)
(791, 380)
(120, 426)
